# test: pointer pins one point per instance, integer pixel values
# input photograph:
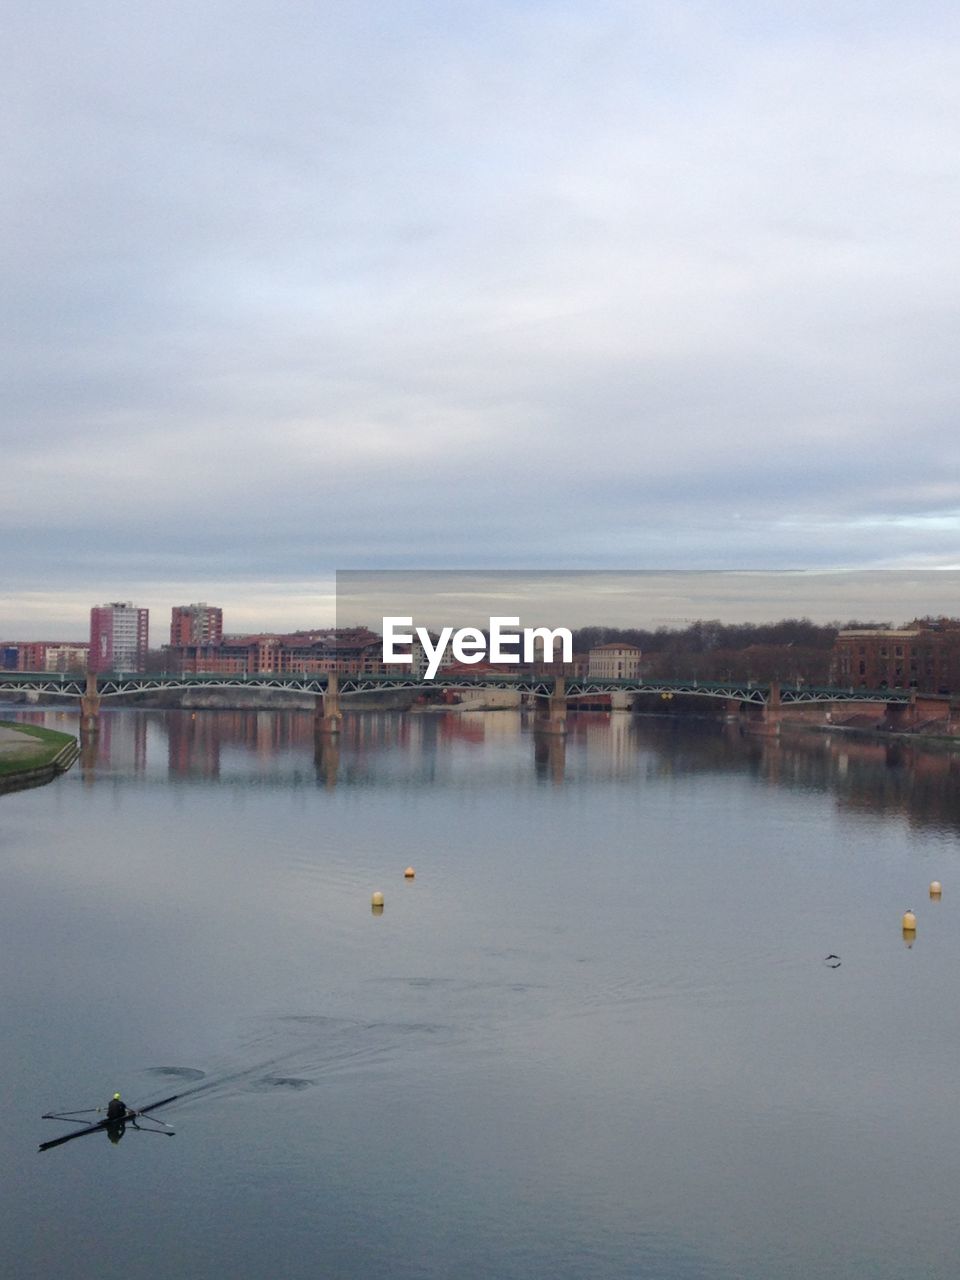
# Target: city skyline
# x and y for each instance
(519, 286)
(621, 600)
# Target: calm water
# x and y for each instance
(595, 1036)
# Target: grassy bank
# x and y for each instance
(27, 746)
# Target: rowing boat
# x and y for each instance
(105, 1124)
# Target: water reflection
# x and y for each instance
(550, 758)
(605, 1031)
(193, 746)
(327, 759)
(884, 778)
(281, 748)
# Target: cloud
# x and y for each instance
(293, 287)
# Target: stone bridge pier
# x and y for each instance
(902, 716)
(766, 720)
(328, 715)
(90, 706)
(551, 713)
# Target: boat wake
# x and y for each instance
(307, 1049)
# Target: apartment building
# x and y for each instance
(118, 637)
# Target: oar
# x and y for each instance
(144, 1113)
(164, 1133)
(98, 1125)
(86, 1111)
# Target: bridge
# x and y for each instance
(553, 692)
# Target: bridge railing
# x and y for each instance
(114, 684)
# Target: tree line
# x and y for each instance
(707, 649)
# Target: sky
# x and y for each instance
(291, 288)
(648, 599)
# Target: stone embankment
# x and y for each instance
(928, 717)
(31, 756)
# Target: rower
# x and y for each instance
(116, 1109)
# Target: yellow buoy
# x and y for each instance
(936, 888)
(409, 873)
(377, 899)
(909, 922)
(376, 909)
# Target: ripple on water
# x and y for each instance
(177, 1073)
(295, 1083)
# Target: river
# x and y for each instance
(596, 1035)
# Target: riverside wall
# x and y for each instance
(31, 774)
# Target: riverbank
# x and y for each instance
(927, 741)
(31, 756)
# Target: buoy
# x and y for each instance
(377, 900)
(909, 922)
(909, 937)
(409, 873)
(376, 908)
(936, 888)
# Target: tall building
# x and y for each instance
(196, 624)
(118, 637)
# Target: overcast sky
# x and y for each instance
(293, 287)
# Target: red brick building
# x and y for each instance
(924, 656)
(343, 652)
(196, 624)
(118, 637)
(44, 655)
